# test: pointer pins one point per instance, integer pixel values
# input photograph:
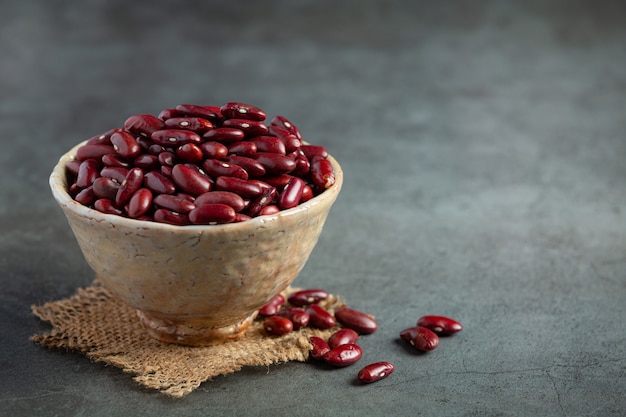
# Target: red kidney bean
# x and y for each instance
(343, 355)
(303, 166)
(221, 197)
(171, 217)
(139, 203)
(277, 325)
(224, 134)
(234, 110)
(307, 194)
(282, 121)
(190, 180)
(113, 160)
(158, 183)
(87, 173)
(342, 337)
(102, 139)
(272, 306)
(143, 124)
(211, 113)
(240, 217)
(217, 168)
(73, 167)
(212, 214)
(250, 128)
(86, 196)
(175, 137)
(311, 151)
(197, 124)
(441, 325)
(319, 317)
(93, 152)
(269, 144)
(244, 188)
(320, 347)
(421, 338)
(292, 194)
(375, 372)
(215, 150)
(146, 144)
(125, 145)
(307, 296)
(104, 187)
(260, 203)
(190, 152)
(298, 316)
(106, 206)
(166, 171)
(146, 162)
(170, 113)
(155, 149)
(278, 181)
(115, 173)
(291, 142)
(356, 320)
(167, 158)
(243, 148)
(132, 183)
(322, 173)
(275, 164)
(269, 210)
(252, 167)
(174, 203)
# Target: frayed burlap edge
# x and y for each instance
(105, 329)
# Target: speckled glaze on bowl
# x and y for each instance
(195, 285)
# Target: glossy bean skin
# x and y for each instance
(307, 296)
(356, 320)
(158, 183)
(320, 318)
(234, 110)
(93, 152)
(211, 113)
(343, 355)
(103, 138)
(104, 187)
(375, 372)
(107, 206)
(282, 121)
(163, 215)
(244, 188)
(140, 202)
(113, 160)
(174, 203)
(275, 164)
(269, 210)
(212, 214)
(298, 316)
(292, 142)
(175, 137)
(421, 338)
(125, 145)
(146, 162)
(269, 144)
(292, 193)
(86, 196)
(224, 134)
(277, 325)
(250, 128)
(441, 325)
(252, 167)
(221, 197)
(319, 347)
(190, 180)
(342, 337)
(87, 173)
(132, 183)
(190, 153)
(115, 173)
(267, 198)
(311, 151)
(215, 150)
(322, 173)
(143, 124)
(272, 306)
(196, 124)
(242, 148)
(217, 168)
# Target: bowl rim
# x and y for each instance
(58, 185)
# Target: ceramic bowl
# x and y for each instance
(195, 285)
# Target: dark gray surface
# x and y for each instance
(484, 149)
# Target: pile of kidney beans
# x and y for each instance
(196, 164)
(301, 309)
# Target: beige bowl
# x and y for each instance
(195, 285)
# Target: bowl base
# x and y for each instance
(192, 333)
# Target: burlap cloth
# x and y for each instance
(105, 329)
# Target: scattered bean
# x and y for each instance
(356, 320)
(441, 325)
(375, 372)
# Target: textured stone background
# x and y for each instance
(484, 147)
